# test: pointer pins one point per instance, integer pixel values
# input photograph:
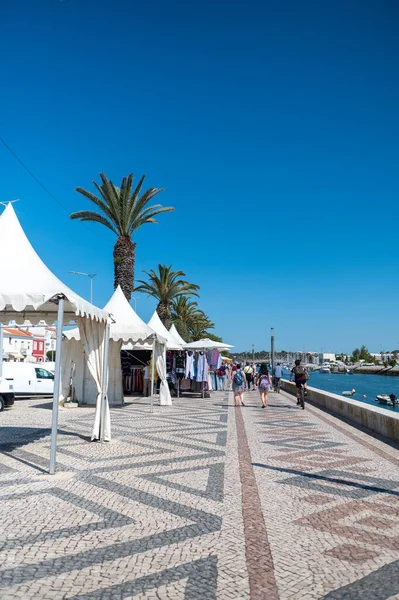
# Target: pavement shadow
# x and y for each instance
(336, 480)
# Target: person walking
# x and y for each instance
(147, 380)
(277, 375)
(264, 383)
(222, 376)
(238, 385)
(248, 375)
(254, 374)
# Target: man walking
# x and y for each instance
(248, 375)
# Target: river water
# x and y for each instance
(368, 385)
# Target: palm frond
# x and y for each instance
(88, 215)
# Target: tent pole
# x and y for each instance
(104, 397)
(152, 374)
(57, 382)
(1, 349)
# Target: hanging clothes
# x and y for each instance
(189, 365)
(180, 365)
(202, 367)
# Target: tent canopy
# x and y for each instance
(176, 335)
(156, 324)
(29, 291)
(207, 344)
(128, 326)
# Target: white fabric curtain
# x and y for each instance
(92, 334)
(71, 360)
(164, 393)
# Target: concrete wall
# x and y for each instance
(380, 420)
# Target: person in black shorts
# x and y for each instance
(301, 376)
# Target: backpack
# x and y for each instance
(299, 371)
(264, 383)
(221, 372)
(238, 378)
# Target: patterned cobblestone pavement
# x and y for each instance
(198, 500)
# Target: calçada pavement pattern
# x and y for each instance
(200, 500)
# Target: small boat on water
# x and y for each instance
(325, 369)
(349, 371)
(349, 393)
(387, 399)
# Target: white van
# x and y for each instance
(29, 379)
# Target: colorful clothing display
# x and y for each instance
(202, 368)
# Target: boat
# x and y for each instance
(325, 369)
(349, 393)
(387, 399)
(349, 371)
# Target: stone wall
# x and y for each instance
(380, 420)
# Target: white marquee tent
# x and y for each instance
(176, 336)
(30, 292)
(128, 328)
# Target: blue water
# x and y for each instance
(369, 385)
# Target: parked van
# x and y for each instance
(6, 393)
(29, 379)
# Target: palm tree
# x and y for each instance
(199, 329)
(191, 322)
(165, 286)
(123, 210)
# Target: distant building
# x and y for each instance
(326, 357)
(17, 344)
(28, 344)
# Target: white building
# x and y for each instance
(17, 344)
(326, 357)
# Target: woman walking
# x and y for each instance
(238, 385)
(264, 383)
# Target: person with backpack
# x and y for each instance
(248, 375)
(238, 385)
(264, 383)
(301, 376)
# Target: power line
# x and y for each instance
(40, 183)
(33, 175)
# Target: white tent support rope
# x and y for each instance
(104, 382)
(57, 381)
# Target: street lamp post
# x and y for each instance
(253, 352)
(272, 347)
(135, 308)
(91, 275)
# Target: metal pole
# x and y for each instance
(272, 347)
(57, 382)
(152, 374)
(91, 290)
(1, 348)
(253, 352)
(104, 382)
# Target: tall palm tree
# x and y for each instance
(123, 210)
(165, 286)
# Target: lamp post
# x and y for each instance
(91, 275)
(135, 308)
(272, 347)
(253, 352)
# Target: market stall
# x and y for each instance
(30, 294)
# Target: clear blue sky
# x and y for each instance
(274, 127)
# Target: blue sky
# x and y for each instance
(273, 126)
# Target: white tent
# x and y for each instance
(128, 328)
(156, 324)
(30, 292)
(176, 335)
(207, 344)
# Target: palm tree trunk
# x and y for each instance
(163, 310)
(124, 255)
